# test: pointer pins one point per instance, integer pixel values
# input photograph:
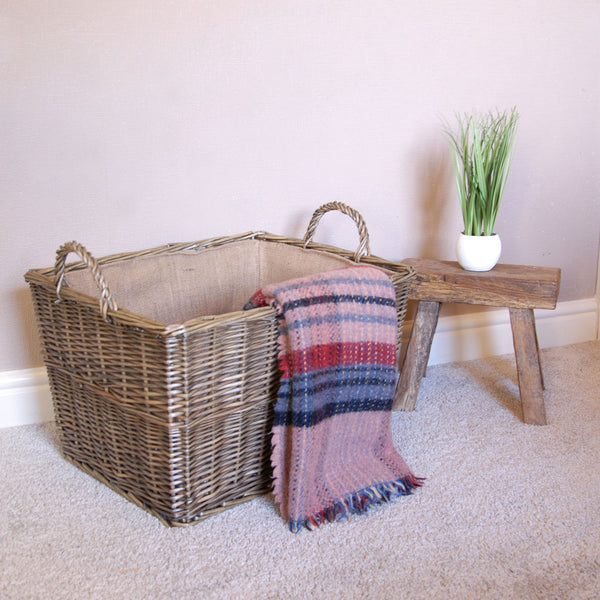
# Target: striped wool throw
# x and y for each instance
(332, 450)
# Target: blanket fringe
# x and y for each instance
(359, 502)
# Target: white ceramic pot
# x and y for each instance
(478, 252)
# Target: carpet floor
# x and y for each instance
(507, 511)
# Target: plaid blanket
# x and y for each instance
(332, 450)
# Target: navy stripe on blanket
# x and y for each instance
(338, 298)
(351, 389)
(333, 318)
(309, 419)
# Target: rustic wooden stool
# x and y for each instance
(518, 288)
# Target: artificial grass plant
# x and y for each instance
(483, 150)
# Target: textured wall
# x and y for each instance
(126, 125)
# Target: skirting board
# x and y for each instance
(476, 335)
(25, 395)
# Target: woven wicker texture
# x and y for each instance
(163, 388)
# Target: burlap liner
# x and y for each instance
(174, 288)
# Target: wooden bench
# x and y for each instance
(518, 288)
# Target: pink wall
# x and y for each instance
(127, 125)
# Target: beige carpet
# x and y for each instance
(508, 511)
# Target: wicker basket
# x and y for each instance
(168, 397)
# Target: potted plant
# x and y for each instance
(483, 150)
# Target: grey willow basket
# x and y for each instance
(162, 387)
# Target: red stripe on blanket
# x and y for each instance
(323, 356)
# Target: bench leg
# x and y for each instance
(417, 355)
(529, 369)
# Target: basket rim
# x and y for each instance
(399, 273)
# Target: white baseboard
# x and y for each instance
(25, 395)
(476, 335)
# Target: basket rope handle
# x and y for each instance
(363, 244)
(106, 298)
